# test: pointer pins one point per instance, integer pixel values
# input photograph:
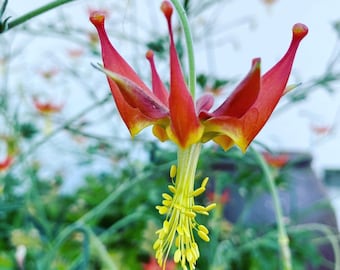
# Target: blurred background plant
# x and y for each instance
(77, 193)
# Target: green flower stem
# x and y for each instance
(102, 253)
(190, 48)
(26, 17)
(283, 239)
(3, 8)
(45, 263)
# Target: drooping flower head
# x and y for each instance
(175, 116)
(48, 74)
(276, 160)
(6, 163)
(47, 107)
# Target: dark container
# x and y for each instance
(303, 197)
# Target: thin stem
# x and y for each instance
(102, 253)
(24, 18)
(63, 236)
(283, 239)
(91, 215)
(3, 8)
(190, 48)
(327, 231)
(98, 211)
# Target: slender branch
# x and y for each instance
(283, 239)
(24, 18)
(63, 236)
(86, 110)
(333, 239)
(3, 8)
(189, 43)
(102, 253)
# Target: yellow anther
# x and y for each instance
(173, 171)
(172, 188)
(180, 230)
(190, 214)
(194, 253)
(203, 229)
(210, 207)
(166, 224)
(203, 236)
(177, 255)
(166, 227)
(189, 255)
(197, 192)
(177, 241)
(167, 196)
(198, 208)
(162, 209)
(195, 249)
(186, 231)
(159, 254)
(183, 261)
(205, 182)
(166, 202)
(160, 260)
(162, 235)
(157, 244)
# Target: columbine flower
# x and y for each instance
(47, 107)
(276, 160)
(75, 53)
(48, 74)
(175, 116)
(268, 2)
(6, 163)
(321, 129)
(12, 150)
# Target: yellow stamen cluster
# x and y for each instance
(180, 222)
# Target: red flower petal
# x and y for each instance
(245, 94)
(132, 117)
(146, 103)
(47, 107)
(243, 97)
(6, 163)
(273, 85)
(204, 103)
(113, 61)
(157, 85)
(185, 128)
(243, 130)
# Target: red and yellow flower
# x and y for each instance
(47, 107)
(6, 163)
(175, 116)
